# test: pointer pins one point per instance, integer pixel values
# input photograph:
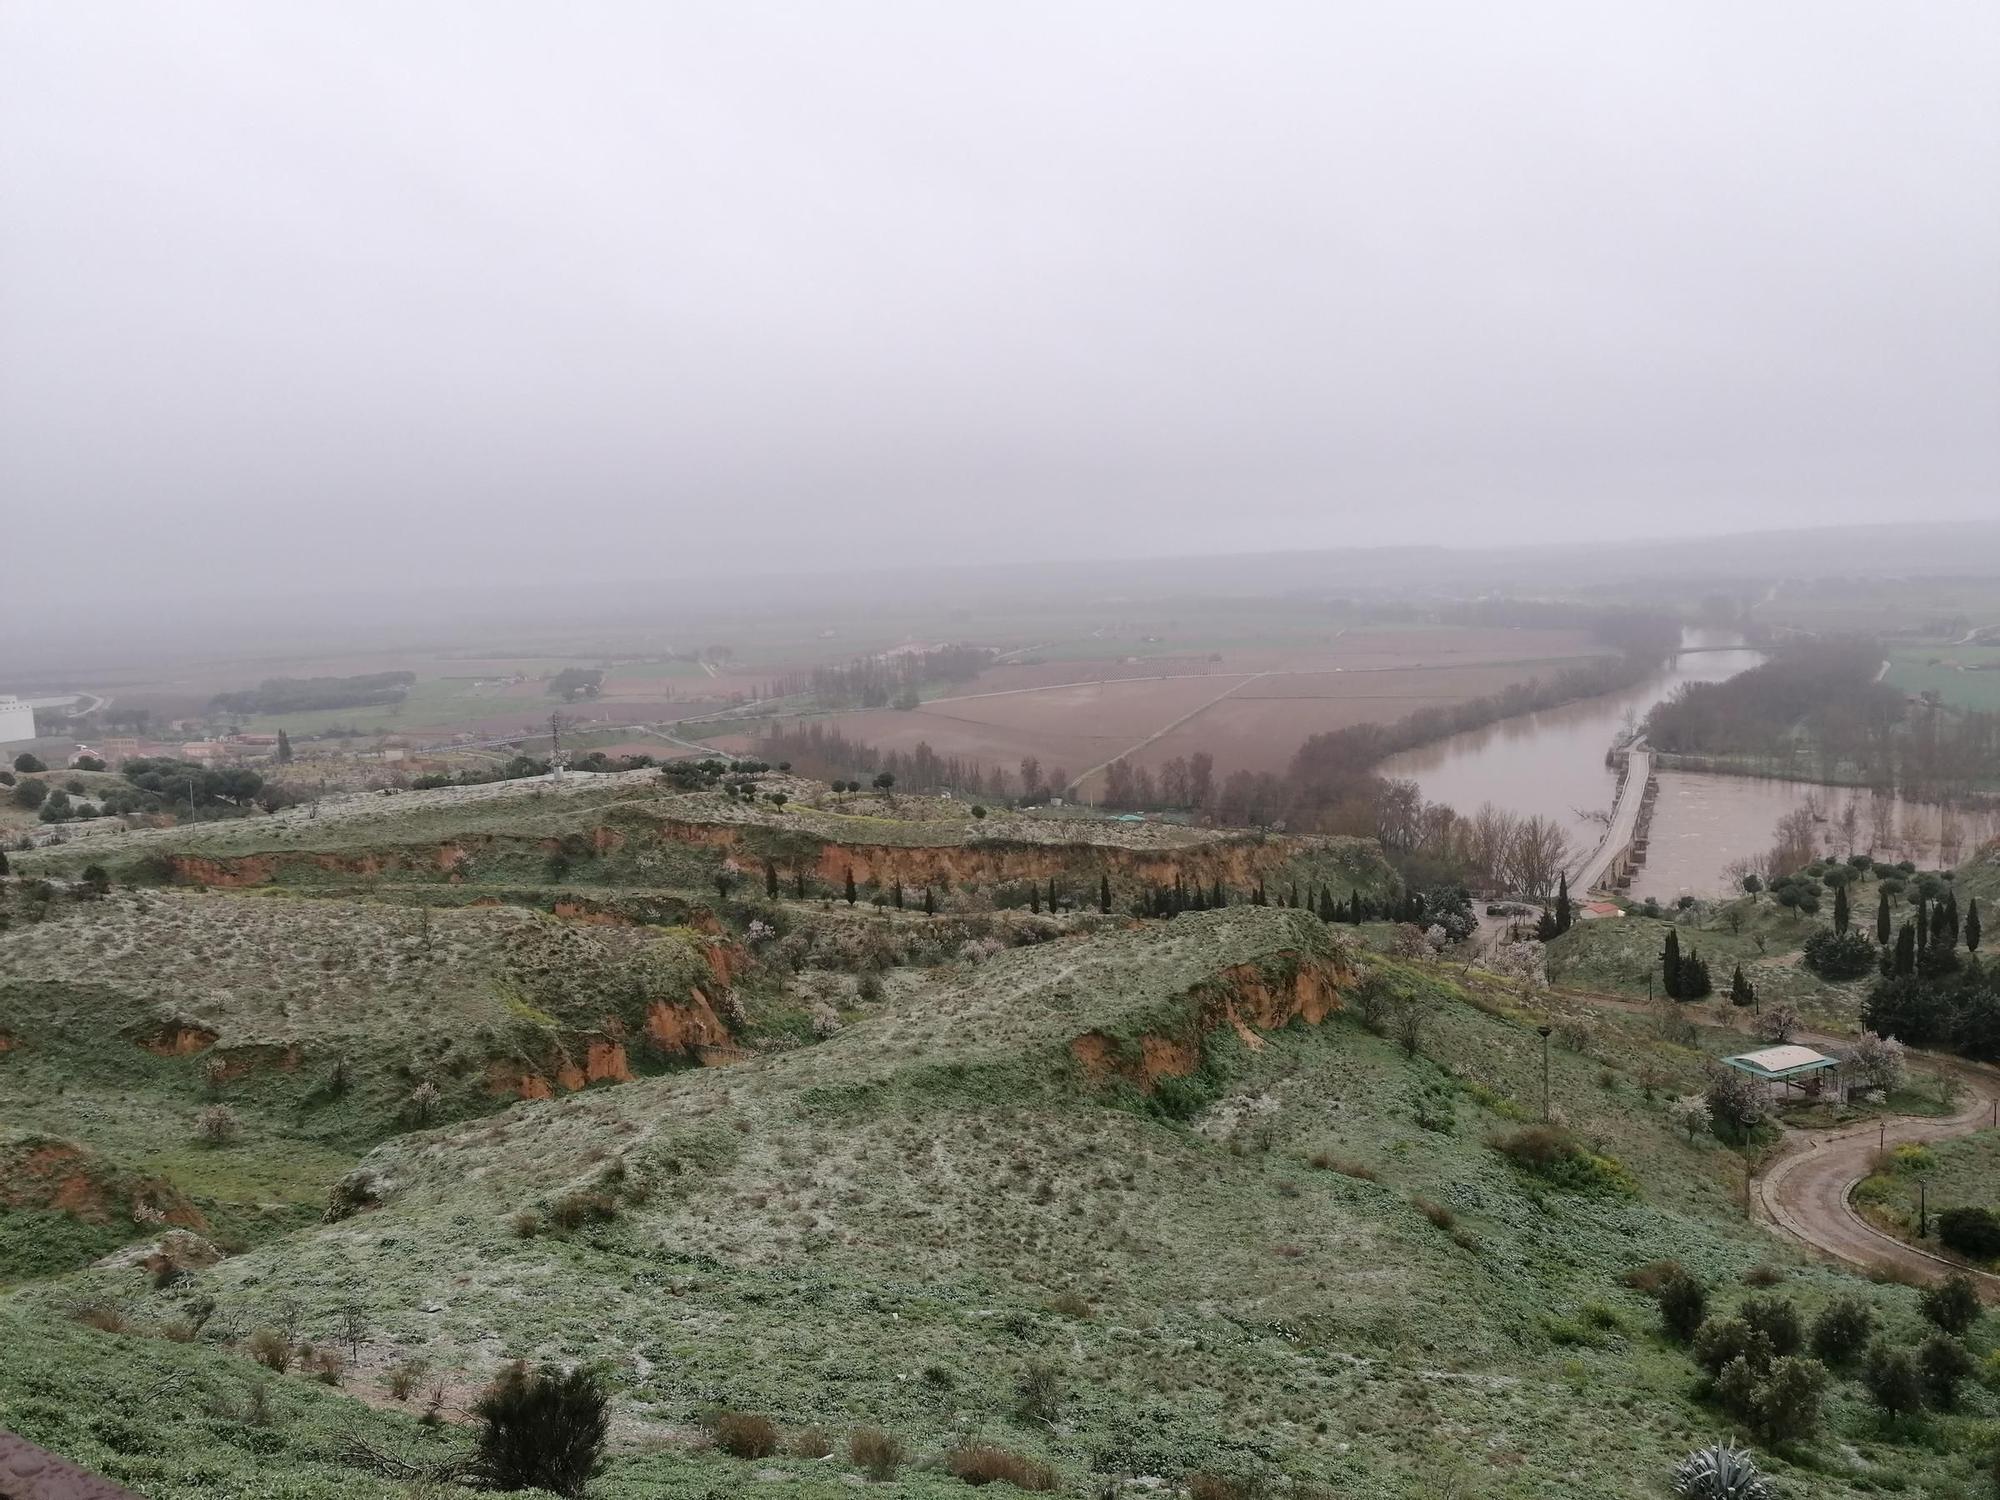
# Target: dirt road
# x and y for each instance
(1806, 1191)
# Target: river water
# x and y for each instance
(1552, 763)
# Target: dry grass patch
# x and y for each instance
(983, 1463)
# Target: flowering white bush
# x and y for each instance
(760, 931)
(1777, 1023)
(1877, 1061)
(1690, 1113)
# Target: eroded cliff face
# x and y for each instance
(1245, 997)
(1238, 862)
(64, 1177)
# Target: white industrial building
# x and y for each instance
(17, 721)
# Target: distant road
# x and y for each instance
(1164, 729)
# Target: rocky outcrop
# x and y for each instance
(1245, 997)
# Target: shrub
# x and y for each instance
(1972, 1231)
(1840, 955)
(1553, 1154)
(1038, 1393)
(401, 1379)
(1943, 1364)
(1952, 1304)
(325, 1365)
(271, 1350)
(1720, 1473)
(1721, 1341)
(811, 1443)
(982, 1463)
(1437, 1213)
(105, 1317)
(1787, 1403)
(218, 1126)
(875, 1453)
(1842, 1330)
(1777, 1320)
(1653, 1275)
(582, 1206)
(1893, 1379)
(1326, 1161)
(524, 1223)
(544, 1429)
(743, 1435)
(1683, 1303)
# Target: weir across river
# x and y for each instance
(1609, 866)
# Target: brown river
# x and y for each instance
(1552, 763)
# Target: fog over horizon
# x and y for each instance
(379, 297)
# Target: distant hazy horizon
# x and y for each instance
(304, 299)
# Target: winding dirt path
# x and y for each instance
(1807, 1191)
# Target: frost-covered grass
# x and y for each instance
(891, 1227)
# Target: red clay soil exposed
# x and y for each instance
(65, 1178)
(1242, 997)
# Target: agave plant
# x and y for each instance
(1721, 1473)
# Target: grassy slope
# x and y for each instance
(879, 1229)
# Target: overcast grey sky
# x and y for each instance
(410, 291)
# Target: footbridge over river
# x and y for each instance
(1609, 866)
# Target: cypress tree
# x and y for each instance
(899, 893)
(1052, 893)
(1034, 897)
(284, 748)
(1670, 965)
(1971, 918)
(1258, 898)
(1563, 914)
(1295, 894)
(799, 882)
(770, 880)
(1216, 898)
(1948, 918)
(1923, 924)
(850, 885)
(3, 871)
(1326, 912)
(1545, 929)
(930, 905)
(1200, 902)
(1884, 927)
(1740, 992)
(1906, 950)
(1840, 908)
(1354, 902)
(1104, 894)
